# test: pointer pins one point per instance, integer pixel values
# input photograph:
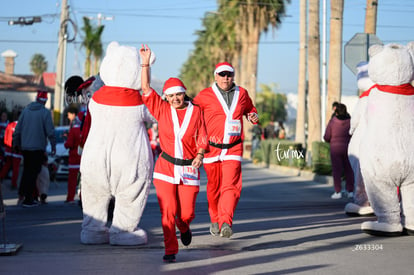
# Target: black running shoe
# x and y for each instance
(29, 204)
(186, 237)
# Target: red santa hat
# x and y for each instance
(41, 96)
(173, 85)
(86, 84)
(223, 67)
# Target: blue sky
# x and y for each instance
(169, 26)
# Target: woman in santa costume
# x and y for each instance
(183, 142)
(224, 104)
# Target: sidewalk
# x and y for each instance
(284, 224)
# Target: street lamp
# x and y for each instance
(25, 21)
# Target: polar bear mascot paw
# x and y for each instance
(137, 237)
(353, 209)
(382, 229)
(95, 237)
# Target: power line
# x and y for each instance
(175, 42)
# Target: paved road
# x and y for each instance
(283, 225)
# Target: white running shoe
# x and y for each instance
(336, 195)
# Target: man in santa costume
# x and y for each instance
(224, 104)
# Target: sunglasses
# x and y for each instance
(228, 74)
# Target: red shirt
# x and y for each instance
(181, 132)
(224, 125)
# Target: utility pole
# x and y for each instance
(101, 17)
(323, 84)
(59, 94)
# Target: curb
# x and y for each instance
(296, 172)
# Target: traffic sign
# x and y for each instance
(356, 49)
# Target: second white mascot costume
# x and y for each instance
(387, 149)
(117, 159)
(360, 205)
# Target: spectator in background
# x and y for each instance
(3, 124)
(334, 105)
(34, 128)
(256, 138)
(269, 130)
(281, 131)
(13, 157)
(337, 134)
(72, 144)
(154, 140)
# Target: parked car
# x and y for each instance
(58, 164)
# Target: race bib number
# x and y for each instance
(189, 172)
(234, 127)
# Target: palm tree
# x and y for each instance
(301, 108)
(214, 44)
(335, 56)
(252, 17)
(38, 65)
(314, 104)
(371, 17)
(93, 46)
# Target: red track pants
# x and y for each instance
(72, 183)
(11, 162)
(223, 190)
(177, 206)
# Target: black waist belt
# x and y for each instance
(225, 146)
(181, 162)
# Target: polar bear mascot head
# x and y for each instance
(121, 66)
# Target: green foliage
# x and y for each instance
(92, 44)
(38, 64)
(281, 152)
(223, 38)
(271, 106)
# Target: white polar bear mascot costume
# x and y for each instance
(387, 149)
(360, 205)
(116, 159)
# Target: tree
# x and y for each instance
(271, 105)
(232, 34)
(301, 108)
(215, 43)
(93, 46)
(314, 103)
(335, 56)
(38, 64)
(252, 18)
